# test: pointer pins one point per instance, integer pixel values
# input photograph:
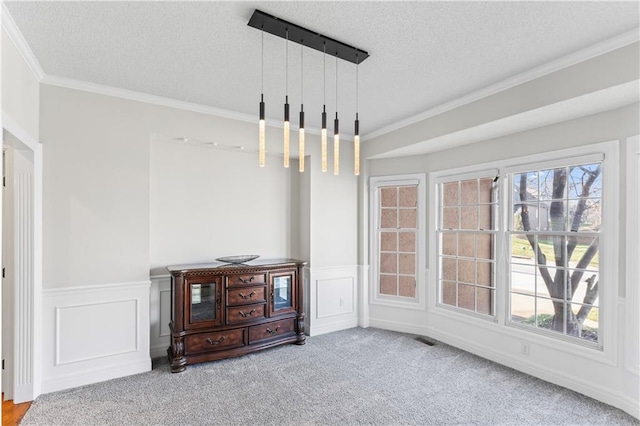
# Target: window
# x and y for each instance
(531, 244)
(466, 233)
(554, 239)
(397, 204)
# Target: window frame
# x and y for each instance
(609, 249)
(463, 175)
(509, 232)
(375, 297)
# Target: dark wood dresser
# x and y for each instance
(220, 310)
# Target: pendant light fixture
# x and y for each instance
(301, 131)
(261, 123)
(356, 131)
(323, 132)
(313, 40)
(336, 131)
(286, 103)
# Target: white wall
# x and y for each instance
(614, 381)
(20, 88)
(208, 202)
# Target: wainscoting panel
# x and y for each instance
(104, 327)
(160, 310)
(94, 333)
(331, 299)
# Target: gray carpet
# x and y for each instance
(357, 376)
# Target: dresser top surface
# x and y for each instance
(258, 263)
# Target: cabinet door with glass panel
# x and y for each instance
(204, 302)
(283, 293)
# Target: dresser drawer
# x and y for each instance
(245, 313)
(246, 295)
(246, 279)
(272, 330)
(207, 342)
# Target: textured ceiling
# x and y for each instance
(423, 54)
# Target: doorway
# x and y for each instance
(22, 263)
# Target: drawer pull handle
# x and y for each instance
(215, 342)
(270, 331)
(246, 281)
(246, 315)
(249, 296)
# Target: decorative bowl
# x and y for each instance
(236, 260)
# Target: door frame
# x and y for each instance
(28, 354)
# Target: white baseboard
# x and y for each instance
(96, 333)
(588, 388)
(95, 375)
(334, 326)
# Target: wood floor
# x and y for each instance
(13, 413)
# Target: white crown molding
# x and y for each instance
(532, 74)
(15, 35)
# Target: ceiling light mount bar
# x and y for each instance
(280, 27)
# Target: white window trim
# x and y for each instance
(375, 298)
(608, 252)
(632, 293)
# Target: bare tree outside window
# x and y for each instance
(554, 249)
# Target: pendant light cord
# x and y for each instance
(336, 84)
(357, 63)
(324, 73)
(262, 62)
(301, 73)
(286, 72)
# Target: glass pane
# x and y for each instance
(407, 242)
(389, 197)
(523, 278)
(388, 284)
(466, 245)
(389, 218)
(469, 191)
(466, 271)
(586, 289)
(407, 263)
(388, 263)
(466, 297)
(450, 194)
(545, 314)
(449, 269)
(523, 308)
(408, 218)
(407, 286)
(282, 292)
(450, 218)
(203, 302)
(483, 274)
(590, 324)
(485, 219)
(484, 246)
(408, 196)
(484, 300)
(388, 241)
(469, 217)
(521, 251)
(485, 190)
(585, 181)
(449, 293)
(554, 249)
(557, 215)
(449, 243)
(584, 215)
(553, 184)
